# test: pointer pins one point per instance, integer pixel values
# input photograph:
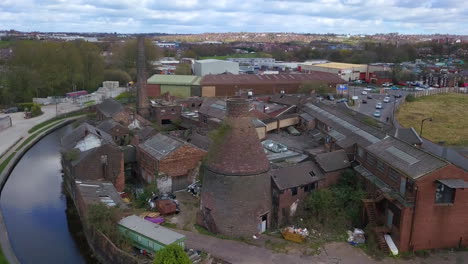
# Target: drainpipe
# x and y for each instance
(412, 218)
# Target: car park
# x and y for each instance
(342, 100)
(378, 106)
(377, 113)
(398, 95)
(394, 88)
(11, 110)
(387, 84)
(364, 92)
(369, 89)
(386, 99)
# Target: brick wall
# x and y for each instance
(286, 199)
(160, 113)
(91, 168)
(153, 90)
(236, 203)
(436, 225)
(181, 161)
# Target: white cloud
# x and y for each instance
(195, 16)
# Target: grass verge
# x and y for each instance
(448, 114)
(6, 161)
(36, 134)
(3, 260)
(50, 121)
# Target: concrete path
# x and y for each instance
(20, 126)
(334, 253)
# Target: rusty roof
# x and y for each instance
(246, 79)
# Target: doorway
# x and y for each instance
(263, 224)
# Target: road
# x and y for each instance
(369, 107)
(20, 126)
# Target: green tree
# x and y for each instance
(315, 86)
(125, 56)
(172, 254)
(117, 75)
(183, 69)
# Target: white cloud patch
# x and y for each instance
(197, 16)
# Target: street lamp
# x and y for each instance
(422, 122)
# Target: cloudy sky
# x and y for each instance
(198, 16)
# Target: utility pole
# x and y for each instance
(422, 123)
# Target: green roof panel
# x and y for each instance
(174, 79)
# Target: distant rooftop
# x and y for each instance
(339, 65)
(151, 230)
(174, 79)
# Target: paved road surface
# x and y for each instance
(333, 253)
(20, 126)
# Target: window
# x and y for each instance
(394, 175)
(380, 166)
(309, 187)
(193, 104)
(360, 152)
(104, 159)
(444, 194)
(371, 159)
(294, 191)
(205, 119)
(163, 111)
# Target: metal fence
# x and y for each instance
(463, 90)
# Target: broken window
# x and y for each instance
(444, 194)
(394, 175)
(371, 159)
(380, 166)
(294, 191)
(104, 159)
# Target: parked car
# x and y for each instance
(386, 99)
(11, 110)
(369, 89)
(330, 97)
(364, 92)
(369, 96)
(398, 95)
(378, 106)
(394, 88)
(377, 113)
(364, 101)
(342, 100)
(387, 84)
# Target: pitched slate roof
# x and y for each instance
(332, 161)
(406, 158)
(108, 125)
(297, 175)
(408, 135)
(213, 107)
(110, 107)
(161, 145)
(70, 140)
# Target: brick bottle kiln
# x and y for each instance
(236, 194)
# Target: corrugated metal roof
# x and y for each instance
(339, 65)
(332, 161)
(251, 79)
(151, 230)
(174, 79)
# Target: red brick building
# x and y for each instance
(119, 133)
(91, 154)
(419, 199)
(170, 162)
(290, 186)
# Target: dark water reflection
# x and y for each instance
(34, 208)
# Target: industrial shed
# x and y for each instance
(346, 71)
(177, 85)
(211, 66)
(236, 85)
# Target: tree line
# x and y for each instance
(50, 68)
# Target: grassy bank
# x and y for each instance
(448, 113)
(53, 120)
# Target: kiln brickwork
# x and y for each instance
(236, 195)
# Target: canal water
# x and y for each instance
(34, 208)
